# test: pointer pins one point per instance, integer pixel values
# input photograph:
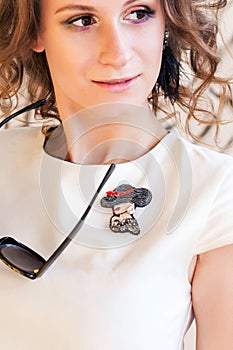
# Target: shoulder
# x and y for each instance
(197, 153)
(209, 167)
(205, 156)
(20, 148)
(205, 168)
(20, 133)
(19, 139)
(212, 183)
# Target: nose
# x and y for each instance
(115, 47)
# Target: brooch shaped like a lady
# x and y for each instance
(123, 200)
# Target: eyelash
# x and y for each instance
(71, 21)
(146, 13)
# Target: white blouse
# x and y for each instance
(108, 290)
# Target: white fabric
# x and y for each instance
(108, 291)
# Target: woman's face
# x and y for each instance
(101, 51)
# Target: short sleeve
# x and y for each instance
(218, 229)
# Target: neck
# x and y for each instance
(111, 133)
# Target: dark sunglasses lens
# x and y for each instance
(22, 258)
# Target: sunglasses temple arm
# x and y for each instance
(77, 227)
(23, 110)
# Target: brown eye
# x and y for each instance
(85, 21)
(82, 21)
(140, 15)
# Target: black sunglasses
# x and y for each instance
(21, 258)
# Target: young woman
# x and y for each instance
(156, 242)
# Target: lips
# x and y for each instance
(118, 84)
(115, 81)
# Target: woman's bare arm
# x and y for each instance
(212, 294)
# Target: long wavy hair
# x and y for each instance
(193, 27)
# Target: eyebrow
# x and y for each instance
(72, 7)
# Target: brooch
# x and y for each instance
(124, 200)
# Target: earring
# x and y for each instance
(169, 76)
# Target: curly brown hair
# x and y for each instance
(193, 28)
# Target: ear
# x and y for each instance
(38, 45)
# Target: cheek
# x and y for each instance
(152, 64)
(65, 61)
(154, 54)
(152, 49)
(155, 61)
(62, 52)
